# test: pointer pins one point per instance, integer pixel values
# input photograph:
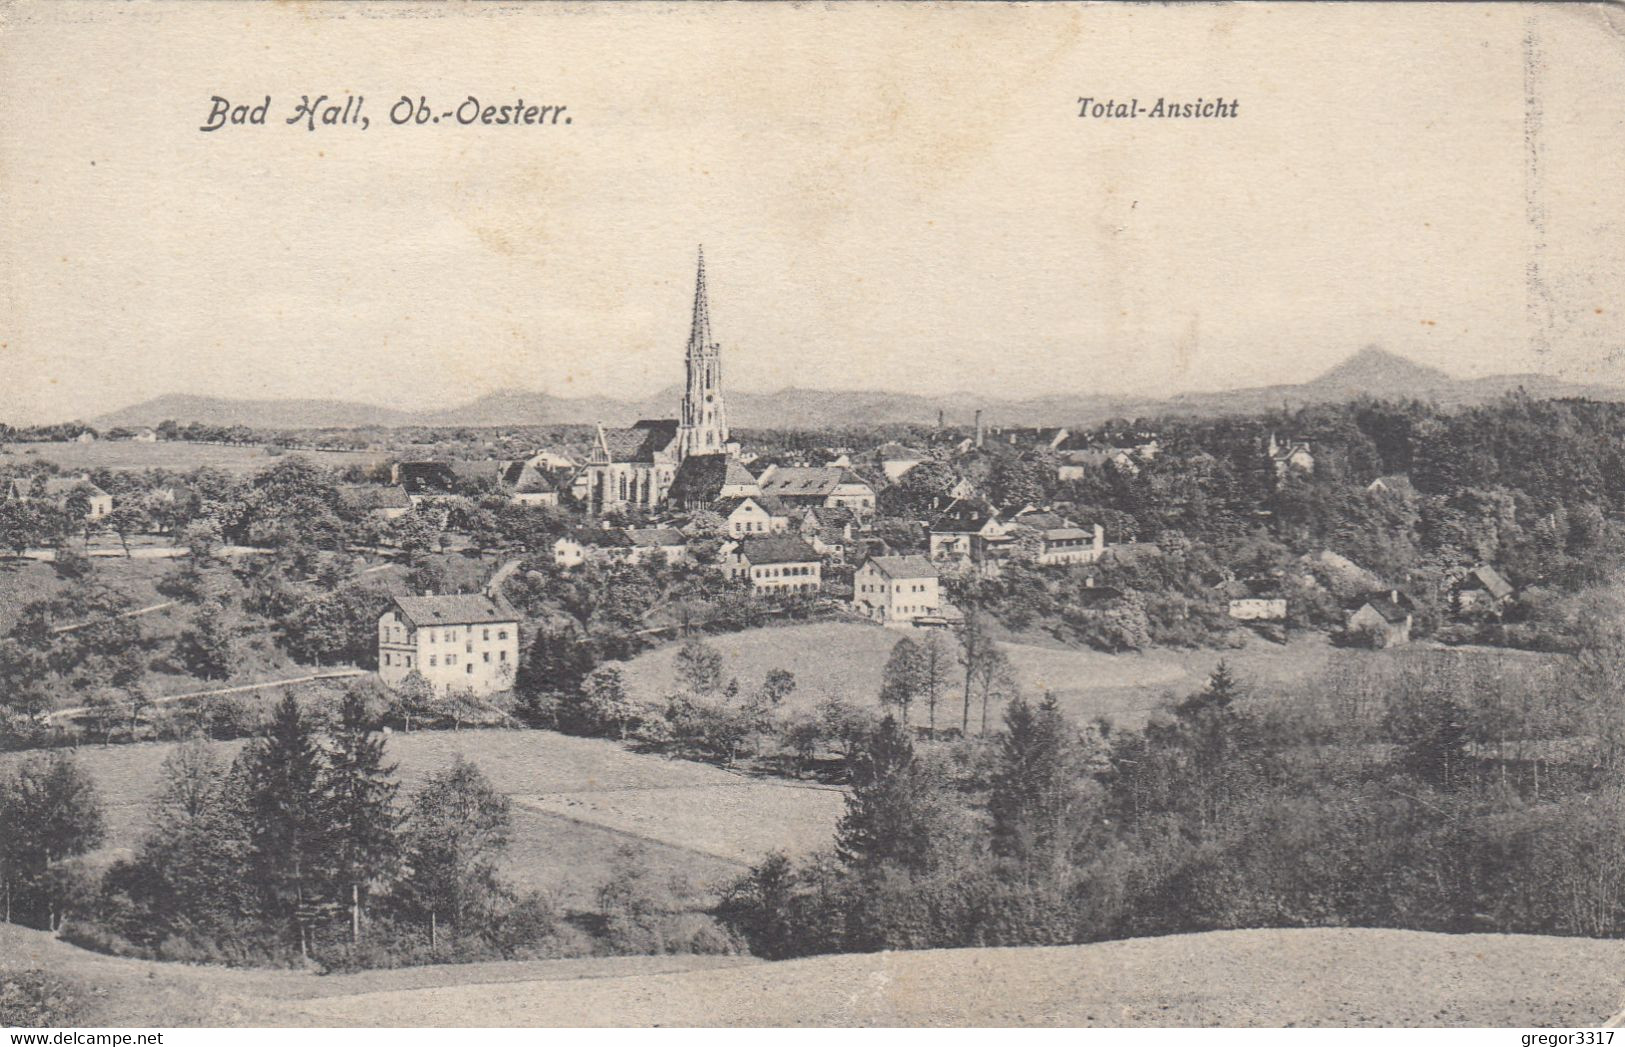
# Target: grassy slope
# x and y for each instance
(578, 803)
(1262, 978)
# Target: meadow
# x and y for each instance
(578, 803)
(847, 660)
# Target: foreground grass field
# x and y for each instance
(578, 803)
(1331, 977)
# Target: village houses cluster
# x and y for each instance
(775, 530)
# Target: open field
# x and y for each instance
(847, 660)
(179, 455)
(1331, 977)
(578, 803)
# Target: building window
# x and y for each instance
(487, 657)
(502, 634)
(485, 634)
(432, 661)
(386, 659)
(470, 669)
(502, 656)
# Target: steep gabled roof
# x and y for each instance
(901, 568)
(807, 481)
(963, 516)
(523, 477)
(1488, 579)
(781, 549)
(655, 537)
(725, 507)
(460, 609)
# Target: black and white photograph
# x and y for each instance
(983, 515)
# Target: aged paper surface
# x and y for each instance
(1222, 342)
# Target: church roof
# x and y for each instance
(702, 477)
(641, 442)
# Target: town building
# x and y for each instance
(62, 492)
(1384, 618)
(784, 564)
(431, 482)
(1061, 540)
(530, 482)
(665, 544)
(1483, 589)
(1289, 457)
(967, 530)
(383, 502)
(807, 486)
(830, 532)
(468, 641)
(897, 590)
(704, 479)
(895, 460)
(753, 515)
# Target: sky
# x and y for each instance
(898, 197)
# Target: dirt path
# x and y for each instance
(335, 674)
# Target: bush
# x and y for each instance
(37, 999)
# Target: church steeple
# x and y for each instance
(699, 332)
(704, 425)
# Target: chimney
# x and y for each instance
(939, 418)
(978, 427)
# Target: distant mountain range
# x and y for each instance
(1370, 372)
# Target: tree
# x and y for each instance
(1041, 801)
(286, 808)
(698, 667)
(414, 696)
(192, 868)
(457, 829)
(50, 810)
(556, 663)
(895, 810)
(992, 677)
(127, 518)
(778, 685)
(359, 808)
(976, 646)
(900, 681)
(603, 704)
(933, 675)
(207, 647)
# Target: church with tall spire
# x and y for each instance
(704, 425)
(689, 458)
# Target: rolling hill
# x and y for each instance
(1321, 978)
(1370, 372)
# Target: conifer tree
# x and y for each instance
(360, 811)
(286, 808)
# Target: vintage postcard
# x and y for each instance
(862, 514)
